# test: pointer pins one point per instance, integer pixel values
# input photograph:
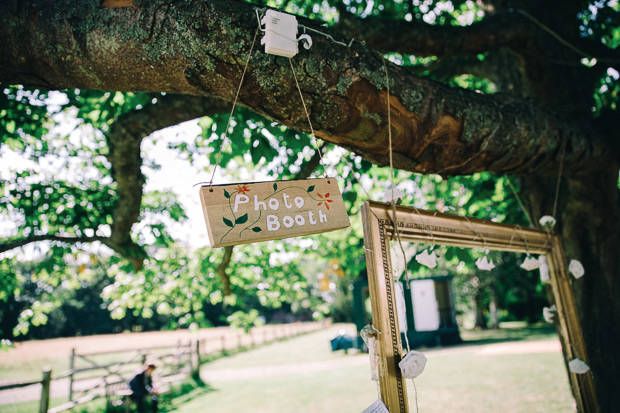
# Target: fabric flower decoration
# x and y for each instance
(530, 263)
(547, 222)
(578, 366)
(242, 189)
(549, 313)
(429, 260)
(576, 268)
(393, 195)
(412, 365)
(485, 263)
(324, 200)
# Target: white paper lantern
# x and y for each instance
(485, 263)
(549, 313)
(578, 366)
(576, 268)
(544, 269)
(530, 263)
(429, 260)
(547, 222)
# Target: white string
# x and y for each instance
(219, 154)
(393, 201)
(514, 191)
(557, 185)
(303, 102)
(387, 78)
(329, 36)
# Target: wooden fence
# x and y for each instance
(95, 375)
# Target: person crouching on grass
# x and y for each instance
(141, 385)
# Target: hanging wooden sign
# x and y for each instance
(262, 211)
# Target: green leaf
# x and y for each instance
(226, 194)
(275, 186)
(242, 219)
(257, 229)
(228, 222)
(310, 189)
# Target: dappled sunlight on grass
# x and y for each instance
(303, 375)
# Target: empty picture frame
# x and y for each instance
(444, 229)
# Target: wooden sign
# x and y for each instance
(252, 212)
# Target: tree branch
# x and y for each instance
(503, 29)
(124, 139)
(221, 269)
(435, 128)
(500, 67)
(20, 242)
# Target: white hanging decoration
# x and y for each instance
(485, 263)
(412, 365)
(393, 194)
(374, 362)
(576, 268)
(549, 313)
(578, 366)
(401, 307)
(547, 222)
(367, 333)
(544, 269)
(530, 263)
(429, 260)
(280, 37)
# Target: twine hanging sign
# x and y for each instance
(262, 211)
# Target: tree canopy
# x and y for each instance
(510, 87)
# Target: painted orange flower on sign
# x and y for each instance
(242, 189)
(324, 200)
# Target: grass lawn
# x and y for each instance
(302, 375)
(515, 369)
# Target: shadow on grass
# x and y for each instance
(509, 333)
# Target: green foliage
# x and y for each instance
(607, 95)
(64, 186)
(23, 118)
(600, 20)
(245, 320)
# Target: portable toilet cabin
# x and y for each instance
(430, 319)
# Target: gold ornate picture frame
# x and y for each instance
(417, 225)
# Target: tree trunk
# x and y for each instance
(589, 222)
(200, 48)
(481, 322)
(493, 317)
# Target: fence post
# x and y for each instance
(45, 390)
(223, 338)
(196, 366)
(190, 356)
(71, 367)
(239, 342)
